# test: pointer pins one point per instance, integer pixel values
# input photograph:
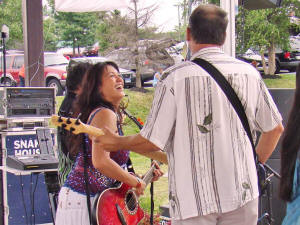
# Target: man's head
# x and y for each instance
(75, 75)
(207, 25)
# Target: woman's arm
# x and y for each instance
(101, 158)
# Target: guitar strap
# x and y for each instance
(140, 126)
(84, 147)
(239, 109)
(88, 195)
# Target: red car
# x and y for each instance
(54, 70)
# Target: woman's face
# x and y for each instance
(112, 88)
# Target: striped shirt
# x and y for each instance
(211, 164)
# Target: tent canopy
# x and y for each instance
(89, 5)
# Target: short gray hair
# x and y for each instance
(208, 24)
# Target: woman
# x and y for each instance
(290, 161)
(98, 102)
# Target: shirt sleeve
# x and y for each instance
(161, 118)
(267, 116)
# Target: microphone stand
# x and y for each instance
(140, 126)
(3, 36)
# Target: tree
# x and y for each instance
(265, 30)
(118, 31)
(141, 18)
(114, 31)
(76, 29)
(7, 9)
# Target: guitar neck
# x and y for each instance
(94, 131)
(149, 175)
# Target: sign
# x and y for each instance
(26, 197)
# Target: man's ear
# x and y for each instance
(188, 34)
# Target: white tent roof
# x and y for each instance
(89, 5)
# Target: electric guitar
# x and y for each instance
(77, 127)
(119, 205)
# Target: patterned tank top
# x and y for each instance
(97, 181)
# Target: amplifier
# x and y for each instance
(17, 102)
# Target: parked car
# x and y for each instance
(128, 75)
(153, 54)
(54, 69)
(251, 57)
(284, 60)
(287, 60)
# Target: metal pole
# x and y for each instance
(229, 45)
(3, 36)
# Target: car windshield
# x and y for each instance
(55, 59)
(97, 59)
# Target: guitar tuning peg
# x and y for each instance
(72, 129)
(68, 121)
(79, 115)
(60, 119)
(77, 121)
(63, 125)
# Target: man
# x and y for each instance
(22, 76)
(75, 75)
(212, 174)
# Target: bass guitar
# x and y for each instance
(77, 127)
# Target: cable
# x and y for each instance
(33, 193)
(23, 200)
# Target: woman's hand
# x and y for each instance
(140, 187)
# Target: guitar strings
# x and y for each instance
(133, 201)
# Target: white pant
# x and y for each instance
(72, 208)
(246, 215)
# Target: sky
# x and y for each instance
(166, 16)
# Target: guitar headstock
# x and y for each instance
(71, 124)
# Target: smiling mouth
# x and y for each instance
(119, 87)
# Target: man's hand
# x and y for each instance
(110, 141)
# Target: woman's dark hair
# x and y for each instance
(208, 24)
(75, 75)
(90, 97)
(290, 145)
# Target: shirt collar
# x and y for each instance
(202, 52)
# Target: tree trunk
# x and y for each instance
(263, 60)
(272, 61)
(138, 82)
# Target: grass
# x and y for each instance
(139, 105)
(286, 81)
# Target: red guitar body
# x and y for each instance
(117, 206)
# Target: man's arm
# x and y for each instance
(136, 143)
(267, 143)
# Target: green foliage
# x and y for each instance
(50, 36)
(261, 28)
(76, 27)
(11, 15)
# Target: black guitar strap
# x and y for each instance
(88, 194)
(85, 155)
(230, 94)
(151, 186)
